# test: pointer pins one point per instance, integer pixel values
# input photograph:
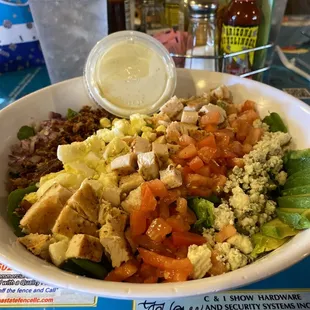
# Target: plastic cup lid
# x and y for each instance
(130, 72)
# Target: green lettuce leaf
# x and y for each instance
(71, 113)
(25, 132)
(204, 210)
(275, 122)
(14, 200)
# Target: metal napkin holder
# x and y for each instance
(224, 57)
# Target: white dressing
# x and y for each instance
(130, 72)
(131, 75)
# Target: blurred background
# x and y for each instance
(233, 36)
(298, 7)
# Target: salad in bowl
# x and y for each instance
(199, 189)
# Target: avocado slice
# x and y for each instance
(299, 202)
(295, 165)
(299, 190)
(278, 230)
(265, 244)
(291, 210)
(298, 181)
(295, 220)
(296, 154)
(301, 173)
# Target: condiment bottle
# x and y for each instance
(239, 32)
(202, 35)
(172, 8)
(153, 17)
(120, 15)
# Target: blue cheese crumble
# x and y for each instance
(223, 216)
(249, 185)
(230, 256)
(200, 257)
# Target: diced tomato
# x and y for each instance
(148, 201)
(249, 116)
(226, 232)
(176, 275)
(158, 188)
(218, 267)
(151, 216)
(123, 272)
(205, 171)
(135, 279)
(210, 128)
(197, 180)
(185, 172)
(233, 162)
(181, 252)
(182, 206)
(138, 222)
(247, 148)
(234, 123)
(243, 129)
(172, 196)
(208, 141)
(216, 168)
(248, 105)
(236, 147)
(207, 153)
(178, 160)
(173, 210)
(177, 223)
(146, 271)
(158, 229)
(196, 163)
(187, 238)
(254, 136)
(223, 141)
(183, 191)
(224, 132)
(200, 192)
(221, 161)
(161, 273)
(188, 152)
(169, 245)
(151, 279)
(220, 181)
(226, 153)
(163, 210)
(212, 117)
(231, 109)
(186, 140)
(165, 263)
(190, 217)
(146, 242)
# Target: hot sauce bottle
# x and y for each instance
(239, 32)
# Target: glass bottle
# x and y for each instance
(172, 8)
(153, 17)
(183, 15)
(120, 15)
(239, 32)
(202, 35)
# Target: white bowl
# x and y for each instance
(71, 94)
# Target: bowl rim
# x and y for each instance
(234, 279)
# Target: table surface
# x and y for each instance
(15, 85)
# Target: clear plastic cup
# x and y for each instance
(130, 72)
(67, 31)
